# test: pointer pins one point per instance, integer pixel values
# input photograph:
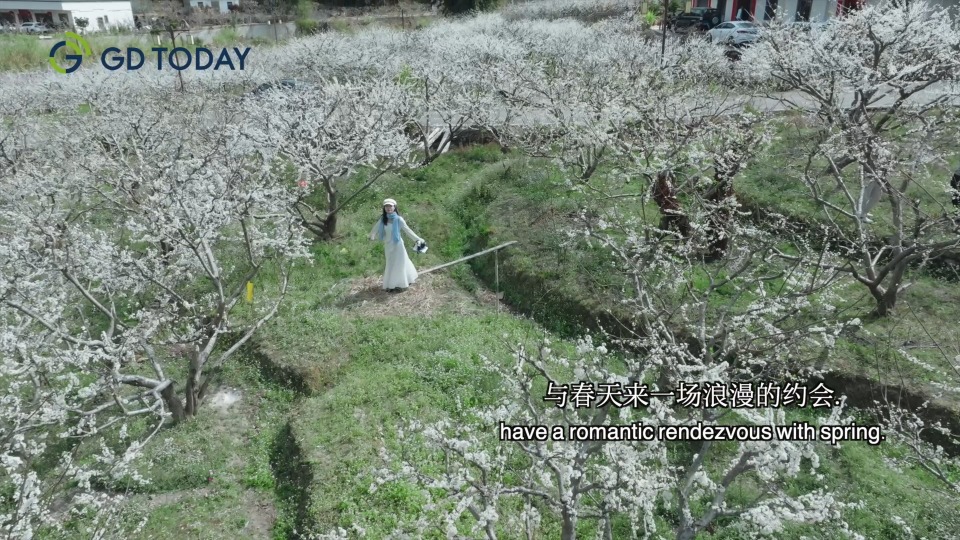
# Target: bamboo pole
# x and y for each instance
(496, 267)
(468, 257)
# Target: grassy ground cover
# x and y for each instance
(363, 362)
(567, 287)
(370, 391)
(774, 180)
(211, 476)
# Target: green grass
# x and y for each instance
(775, 181)
(400, 368)
(342, 26)
(234, 444)
(379, 371)
(22, 53)
(283, 461)
(226, 37)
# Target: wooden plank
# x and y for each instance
(468, 257)
(432, 138)
(444, 140)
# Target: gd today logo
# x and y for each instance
(205, 58)
(81, 48)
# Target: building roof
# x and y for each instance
(11, 4)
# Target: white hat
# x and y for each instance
(389, 201)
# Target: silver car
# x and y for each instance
(735, 33)
(34, 27)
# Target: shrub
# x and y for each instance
(306, 27)
(226, 37)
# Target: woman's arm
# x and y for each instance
(373, 231)
(409, 231)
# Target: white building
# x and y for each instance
(221, 6)
(100, 14)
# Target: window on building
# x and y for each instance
(770, 11)
(803, 10)
(846, 6)
(229, 5)
(100, 23)
(741, 11)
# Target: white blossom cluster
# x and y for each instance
(588, 10)
(135, 207)
(130, 232)
(878, 88)
(491, 480)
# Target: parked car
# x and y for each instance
(735, 33)
(700, 18)
(34, 27)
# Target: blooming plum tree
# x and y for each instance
(328, 132)
(152, 235)
(865, 83)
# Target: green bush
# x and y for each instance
(306, 27)
(340, 26)
(226, 37)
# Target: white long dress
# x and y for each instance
(399, 271)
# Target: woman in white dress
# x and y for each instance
(399, 272)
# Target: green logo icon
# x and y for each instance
(78, 46)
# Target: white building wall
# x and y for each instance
(221, 6)
(820, 10)
(32, 6)
(823, 10)
(114, 14)
(786, 9)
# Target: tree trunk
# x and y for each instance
(665, 195)
(191, 392)
(607, 528)
(569, 530)
(718, 223)
(193, 384)
(173, 403)
(887, 302)
(329, 225)
(173, 40)
(886, 297)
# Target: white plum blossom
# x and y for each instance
(877, 89)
